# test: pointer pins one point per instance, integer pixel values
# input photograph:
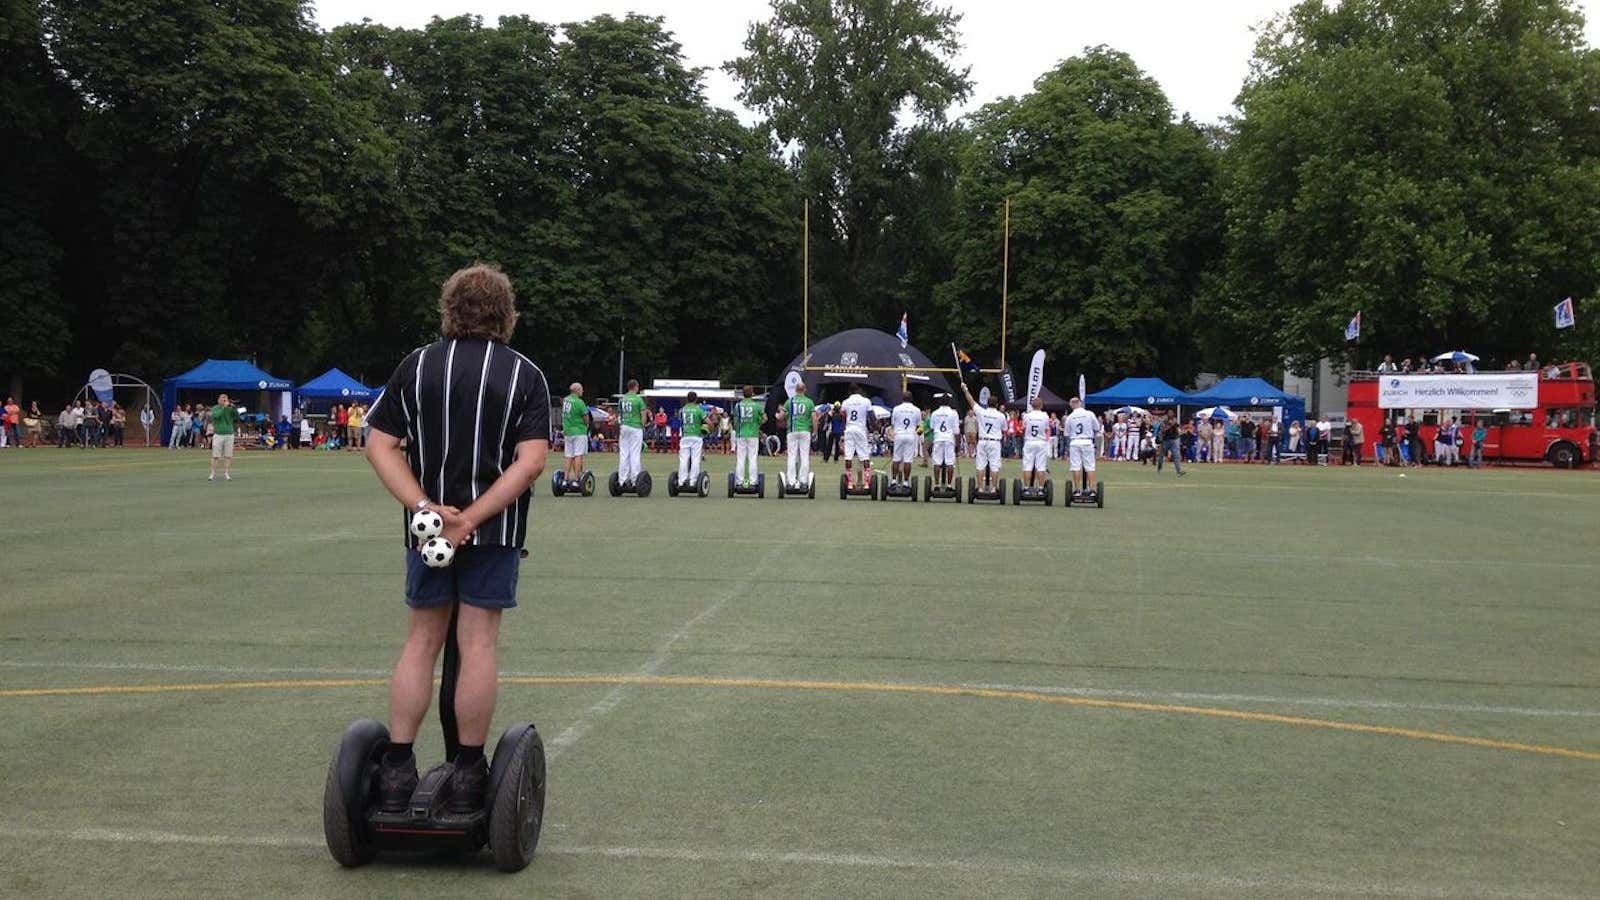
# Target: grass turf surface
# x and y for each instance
(1450, 602)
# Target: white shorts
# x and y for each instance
(905, 449)
(222, 446)
(988, 454)
(1082, 455)
(1034, 455)
(855, 445)
(944, 453)
(576, 446)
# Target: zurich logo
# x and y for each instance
(344, 392)
(262, 385)
(848, 358)
(1255, 401)
(1150, 399)
(1394, 382)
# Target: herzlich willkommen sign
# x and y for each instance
(1497, 390)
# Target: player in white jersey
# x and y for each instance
(905, 421)
(1119, 436)
(1035, 444)
(991, 428)
(857, 409)
(1081, 426)
(945, 424)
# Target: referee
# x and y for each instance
(475, 418)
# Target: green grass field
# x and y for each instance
(826, 698)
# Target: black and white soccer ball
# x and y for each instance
(426, 524)
(437, 552)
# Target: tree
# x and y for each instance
(836, 78)
(1434, 165)
(1113, 222)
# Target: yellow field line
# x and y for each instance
(877, 687)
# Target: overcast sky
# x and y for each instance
(1196, 49)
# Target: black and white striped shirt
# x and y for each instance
(462, 406)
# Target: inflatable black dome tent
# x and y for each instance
(843, 355)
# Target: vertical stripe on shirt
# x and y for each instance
(477, 422)
(505, 421)
(422, 448)
(444, 420)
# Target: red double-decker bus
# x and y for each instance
(1556, 425)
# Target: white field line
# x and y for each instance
(658, 660)
(1222, 884)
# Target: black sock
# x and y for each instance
(397, 753)
(466, 756)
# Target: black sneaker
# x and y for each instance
(396, 783)
(468, 786)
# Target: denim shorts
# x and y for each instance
(485, 577)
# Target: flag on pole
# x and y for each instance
(1564, 314)
(904, 334)
(1352, 332)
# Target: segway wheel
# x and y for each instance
(844, 487)
(1000, 489)
(955, 485)
(730, 485)
(811, 488)
(704, 486)
(557, 482)
(516, 809)
(643, 484)
(672, 485)
(1016, 493)
(927, 489)
(913, 486)
(1100, 494)
(761, 485)
(614, 485)
(347, 790)
(972, 490)
(588, 484)
(1049, 492)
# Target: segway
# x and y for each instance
(888, 490)
(357, 829)
(872, 490)
(975, 492)
(806, 489)
(757, 490)
(932, 492)
(1081, 498)
(1021, 493)
(701, 488)
(583, 487)
(639, 487)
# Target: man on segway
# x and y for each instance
(690, 442)
(1082, 428)
(904, 420)
(464, 406)
(630, 435)
(1035, 444)
(857, 408)
(991, 428)
(748, 417)
(574, 433)
(800, 412)
(944, 423)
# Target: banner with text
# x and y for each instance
(1507, 390)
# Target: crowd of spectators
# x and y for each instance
(1423, 365)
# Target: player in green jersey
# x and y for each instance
(574, 432)
(630, 434)
(748, 416)
(800, 412)
(691, 441)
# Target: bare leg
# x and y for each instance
(411, 687)
(478, 632)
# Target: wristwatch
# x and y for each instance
(422, 504)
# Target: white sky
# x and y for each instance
(1197, 49)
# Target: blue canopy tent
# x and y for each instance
(222, 375)
(335, 386)
(1248, 392)
(1144, 392)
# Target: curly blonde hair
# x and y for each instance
(477, 302)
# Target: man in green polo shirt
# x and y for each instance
(630, 434)
(801, 414)
(691, 442)
(748, 415)
(224, 420)
(574, 432)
